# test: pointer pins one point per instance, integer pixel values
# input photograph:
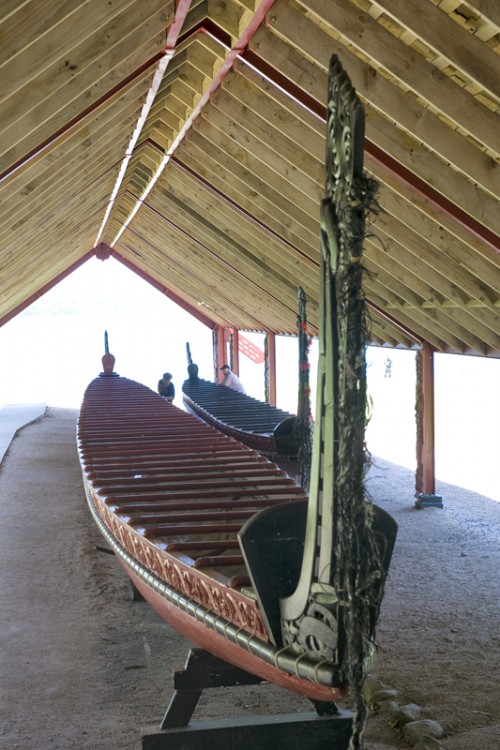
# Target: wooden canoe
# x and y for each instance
(255, 423)
(170, 495)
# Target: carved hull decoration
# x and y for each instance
(221, 542)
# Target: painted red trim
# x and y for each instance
(220, 350)
(271, 366)
(207, 26)
(250, 350)
(182, 8)
(236, 351)
(220, 646)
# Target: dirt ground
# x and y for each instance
(84, 666)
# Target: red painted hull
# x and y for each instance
(229, 652)
(170, 495)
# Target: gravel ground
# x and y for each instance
(84, 666)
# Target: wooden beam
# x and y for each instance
(449, 41)
(407, 66)
(235, 352)
(219, 350)
(270, 368)
(28, 140)
(427, 454)
(283, 60)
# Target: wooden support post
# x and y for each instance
(428, 447)
(426, 444)
(235, 352)
(270, 368)
(219, 350)
(293, 731)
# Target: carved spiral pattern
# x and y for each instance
(179, 576)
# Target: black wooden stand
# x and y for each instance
(291, 731)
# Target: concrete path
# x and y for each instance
(12, 418)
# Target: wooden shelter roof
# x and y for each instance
(187, 139)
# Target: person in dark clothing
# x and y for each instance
(193, 373)
(166, 387)
(192, 383)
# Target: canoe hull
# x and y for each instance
(243, 648)
(265, 444)
(161, 485)
(257, 424)
(233, 654)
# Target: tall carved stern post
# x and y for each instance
(348, 541)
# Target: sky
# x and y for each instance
(53, 349)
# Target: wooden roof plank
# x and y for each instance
(27, 120)
(253, 194)
(447, 39)
(398, 60)
(242, 152)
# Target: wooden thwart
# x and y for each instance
(291, 731)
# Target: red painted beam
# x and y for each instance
(221, 338)
(270, 370)
(235, 351)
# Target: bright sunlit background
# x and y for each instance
(52, 350)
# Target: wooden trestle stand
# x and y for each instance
(314, 730)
